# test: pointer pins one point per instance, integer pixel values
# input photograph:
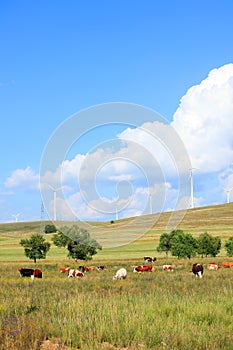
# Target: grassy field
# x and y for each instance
(159, 310)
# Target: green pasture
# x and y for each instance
(151, 311)
(155, 310)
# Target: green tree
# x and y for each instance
(78, 242)
(208, 245)
(164, 243)
(183, 245)
(229, 246)
(35, 247)
(50, 228)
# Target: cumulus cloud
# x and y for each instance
(204, 120)
(25, 179)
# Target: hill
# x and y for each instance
(124, 238)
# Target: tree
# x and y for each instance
(208, 245)
(78, 242)
(229, 246)
(165, 242)
(50, 228)
(35, 247)
(183, 245)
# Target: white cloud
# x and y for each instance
(25, 179)
(204, 120)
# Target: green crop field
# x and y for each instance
(154, 310)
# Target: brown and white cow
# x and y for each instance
(167, 268)
(144, 268)
(227, 264)
(75, 273)
(198, 270)
(150, 259)
(213, 266)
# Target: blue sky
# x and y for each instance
(59, 58)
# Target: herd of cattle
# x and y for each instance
(197, 269)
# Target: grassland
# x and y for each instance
(159, 310)
(216, 220)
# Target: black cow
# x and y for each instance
(149, 259)
(198, 270)
(30, 273)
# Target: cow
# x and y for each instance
(101, 267)
(144, 268)
(120, 274)
(150, 259)
(30, 273)
(197, 269)
(75, 273)
(213, 266)
(85, 268)
(64, 269)
(227, 264)
(167, 268)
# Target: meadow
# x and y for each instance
(157, 310)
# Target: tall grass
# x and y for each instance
(160, 310)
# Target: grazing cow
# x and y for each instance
(64, 269)
(85, 268)
(227, 264)
(30, 273)
(213, 266)
(167, 268)
(101, 267)
(145, 268)
(120, 274)
(198, 270)
(150, 259)
(75, 273)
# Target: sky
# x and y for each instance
(114, 108)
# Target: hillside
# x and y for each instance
(123, 238)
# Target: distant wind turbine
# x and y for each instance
(117, 217)
(228, 192)
(55, 190)
(16, 216)
(191, 187)
(151, 205)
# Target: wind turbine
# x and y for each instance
(55, 190)
(191, 187)
(16, 216)
(150, 202)
(117, 217)
(228, 192)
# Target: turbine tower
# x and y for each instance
(55, 190)
(191, 187)
(150, 202)
(228, 192)
(16, 216)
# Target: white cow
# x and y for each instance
(120, 274)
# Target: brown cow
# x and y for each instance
(198, 270)
(144, 268)
(227, 264)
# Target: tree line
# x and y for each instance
(80, 245)
(184, 245)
